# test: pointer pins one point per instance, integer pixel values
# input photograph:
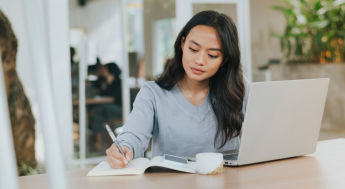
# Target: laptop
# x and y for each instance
(282, 120)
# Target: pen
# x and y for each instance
(115, 141)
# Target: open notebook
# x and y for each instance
(138, 166)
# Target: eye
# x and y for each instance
(192, 49)
(213, 56)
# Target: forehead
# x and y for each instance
(206, 36)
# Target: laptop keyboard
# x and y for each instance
(230, 157)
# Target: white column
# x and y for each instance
(183, 13)
(247, 40)
(39, 48)
(125, 69)
(241, 35)
(82, 105)
(8, 171)
(58, 36)
(243, 16)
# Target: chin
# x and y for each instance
(195, 77)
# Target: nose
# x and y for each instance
(200, 60)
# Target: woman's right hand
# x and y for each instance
(116, 159)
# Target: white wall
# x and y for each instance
(102, 22)
(263, 21)
(13, 10)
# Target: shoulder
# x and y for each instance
(149, 94)
(153, 90)
(153, 87)
(151, 84)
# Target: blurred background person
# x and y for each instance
(107, 84)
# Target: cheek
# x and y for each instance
(187, 59)
(186, 56)
(213, 66)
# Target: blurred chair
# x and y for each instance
(133, 64)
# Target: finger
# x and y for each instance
(110, 162)
(117, 154)
(128, 152)
(116, 164)
(129, 155)
(108, 151)
(114, 147)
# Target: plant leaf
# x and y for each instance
(318, 24)
(338, 2)
(324, 9)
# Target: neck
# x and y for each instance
(193, 86)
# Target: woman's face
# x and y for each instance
(103, 71)
(202, 53)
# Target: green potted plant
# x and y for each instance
(315, 31)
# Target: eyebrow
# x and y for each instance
(214, 49)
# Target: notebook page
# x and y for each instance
(158, 161)
(103, 169)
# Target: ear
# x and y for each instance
(182, 42)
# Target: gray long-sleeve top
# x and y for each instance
(176, 126)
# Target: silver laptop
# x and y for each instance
(282, 120)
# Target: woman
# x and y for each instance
(198, 104)
(108, 84)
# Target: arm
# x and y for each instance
(138, 130)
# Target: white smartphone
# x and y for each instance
(175, 160)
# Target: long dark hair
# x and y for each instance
(226, 86)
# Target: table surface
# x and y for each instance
(96, 100)
(323, 169)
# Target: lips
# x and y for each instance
(197, 71)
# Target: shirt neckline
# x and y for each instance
(198, 111)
